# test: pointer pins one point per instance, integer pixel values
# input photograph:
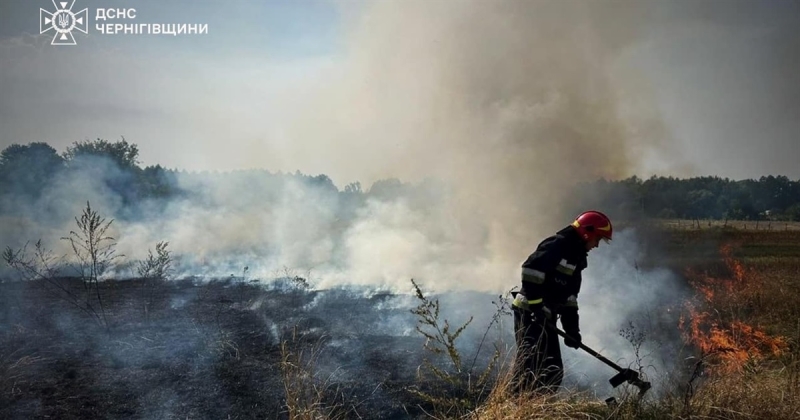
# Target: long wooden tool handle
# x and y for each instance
(587, 349)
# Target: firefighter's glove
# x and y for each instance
(574, 341)
(541, 313)
(571, 323)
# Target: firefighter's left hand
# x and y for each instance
(575, 343)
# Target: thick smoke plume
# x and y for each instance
(510, 103)
(505, 104)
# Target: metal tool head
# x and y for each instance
(632, 377)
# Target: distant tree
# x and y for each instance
(353, 188)
(667, 214)
(387, 188)
(33, 153)
(776, 193)
(124, 154)
(26, 169)
(157, 182)
(701, 204)
(324, 182)
(793, 213)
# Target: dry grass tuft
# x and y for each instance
(756, 393)
(305, 392)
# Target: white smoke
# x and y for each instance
(507, 103)
(617, 294)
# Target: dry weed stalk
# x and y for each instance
(153, 269)
(95, 252)
(305, 392)
(454, 390)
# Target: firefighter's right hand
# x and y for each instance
(574, 341)
(540, 313)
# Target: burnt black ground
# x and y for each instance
(209, 349)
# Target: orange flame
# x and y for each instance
(713, 323)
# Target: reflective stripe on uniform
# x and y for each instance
(533, 276)
(525, 304)
(521, 302)
(566, 268)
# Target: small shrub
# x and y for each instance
(95, 253)
(454, 391)
(153, 269)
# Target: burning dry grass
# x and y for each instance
(721, 322)
(744, 324)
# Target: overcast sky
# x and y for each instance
(273, 83)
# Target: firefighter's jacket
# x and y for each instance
(551, 277)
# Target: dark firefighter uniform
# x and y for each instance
(551, 281)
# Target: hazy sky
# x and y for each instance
(510, 101)
(699, 87)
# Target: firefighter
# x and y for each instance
(551, 281)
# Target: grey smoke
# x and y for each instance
(507, 104)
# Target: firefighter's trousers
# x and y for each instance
(538, 365)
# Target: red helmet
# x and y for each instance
(593, 225)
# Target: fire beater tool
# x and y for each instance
(625, 375)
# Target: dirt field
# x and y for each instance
(219, 349)
(209, 350)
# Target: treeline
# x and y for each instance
(710, 197)
(28, 172)
(32, 174)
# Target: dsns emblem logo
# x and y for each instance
(63, 21)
